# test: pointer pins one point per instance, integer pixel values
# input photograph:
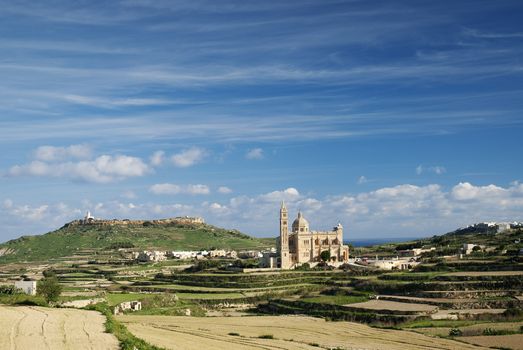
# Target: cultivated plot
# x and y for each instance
(28, 327)
(275, 332)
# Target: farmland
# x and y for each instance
(23, 327)
(274, 332)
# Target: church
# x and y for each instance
(302, 246)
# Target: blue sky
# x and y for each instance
(395, 118)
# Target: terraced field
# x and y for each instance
(24, 327)
(275, 332)
(512, 341)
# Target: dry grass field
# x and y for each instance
(476, 329)
(512, 341)
(27, 327)
(393, 305)
(287, 332)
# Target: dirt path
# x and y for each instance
(288, 332)
(28, 327)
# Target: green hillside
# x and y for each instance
(506, 243)
(70, 240)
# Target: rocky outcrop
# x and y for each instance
(127, 222)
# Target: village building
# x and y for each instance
(28, 287)
(392, 264)
(415, 252)
(127, 305)
(221, 253)
(182, 255)
(302, 246)
(150, 256)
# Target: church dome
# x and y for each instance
(300, 224)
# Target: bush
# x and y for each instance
(234, 334)
(266, 336)
(10, 290)
(304, 267)
(49, 273)
(455, 332)
(513, 312)
(49, 288)
(325, 255)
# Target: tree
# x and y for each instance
(49, 288)
(325, 255)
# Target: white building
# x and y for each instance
(183, 255)
(154, 255)
(29, 287)
(468, 248)
(127, 305)
(392, 264)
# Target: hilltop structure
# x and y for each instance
(302, 246)
(91, 220)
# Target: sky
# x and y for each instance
(397, 119)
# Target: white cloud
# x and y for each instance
(165, 188)
(103, 169)
(399, 211)
(52, 153)
(157, 158)
(189, 157)
(255, 153)
(197, 189)
(50, 214)
(465, 191)
(437, 169)
(362, 180)
(171, 189)
(129, 194)
(224, 190)
(288, 194)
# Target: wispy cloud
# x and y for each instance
(189, 157)
(255, 153)
(172, 189)
(437, 169)
(491, 35)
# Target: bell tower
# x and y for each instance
(285, 260)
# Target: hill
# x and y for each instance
(73, 238)
(508, 243)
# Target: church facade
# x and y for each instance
(300, 245)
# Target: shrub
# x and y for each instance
(455, 332)
(304, 267)
(234, 334)
(325, 255)
(513, 312)
(266, 336)
(9, 290)
(49, 273)
(49, 288)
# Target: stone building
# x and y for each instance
(29, 287)
(304, 246)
